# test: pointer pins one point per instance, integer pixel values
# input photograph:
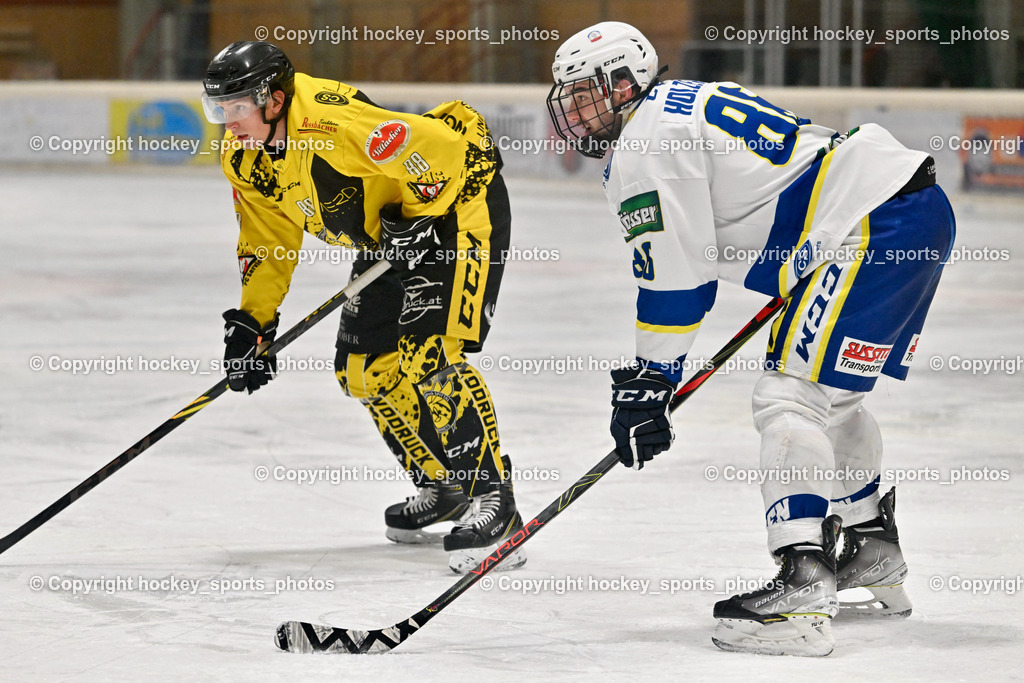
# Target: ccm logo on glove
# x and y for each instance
(640, 421)
(243, 336)
(633, 396)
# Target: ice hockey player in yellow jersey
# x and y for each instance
(424, 192)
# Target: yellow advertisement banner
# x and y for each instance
(171, 132)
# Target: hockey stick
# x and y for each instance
(188, 411)
(300, 636)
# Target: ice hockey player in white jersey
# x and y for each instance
(711, 182)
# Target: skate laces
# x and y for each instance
(848, 543)
(489, 504)
(422, 500)
(773, 584)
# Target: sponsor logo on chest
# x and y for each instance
(640, 214)
(318, 126)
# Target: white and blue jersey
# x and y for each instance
(711, 182)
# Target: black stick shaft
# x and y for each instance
(188, 411)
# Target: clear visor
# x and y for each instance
(234, 107)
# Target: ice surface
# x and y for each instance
(141, 264)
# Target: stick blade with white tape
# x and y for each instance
(304, 637)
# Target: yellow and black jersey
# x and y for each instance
(345, 159)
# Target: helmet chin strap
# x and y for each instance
(629, 105)
(595, 141)
(273, 129)
(273, 122)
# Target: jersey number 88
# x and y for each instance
(766, 130)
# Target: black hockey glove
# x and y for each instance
(242, 336)
(406, 241)
(641, 425)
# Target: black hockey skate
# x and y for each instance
(435, 502)
(494, 519)
(871, 559)
(792, 615)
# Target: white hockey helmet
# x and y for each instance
(599, 58)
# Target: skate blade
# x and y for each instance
(800, 635)
(886, 602)
(467, 559)
(415, 536)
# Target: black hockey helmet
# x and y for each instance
(247, 68)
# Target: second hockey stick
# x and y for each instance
(188, 411)
(301, 636)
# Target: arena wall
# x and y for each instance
(975, 136)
